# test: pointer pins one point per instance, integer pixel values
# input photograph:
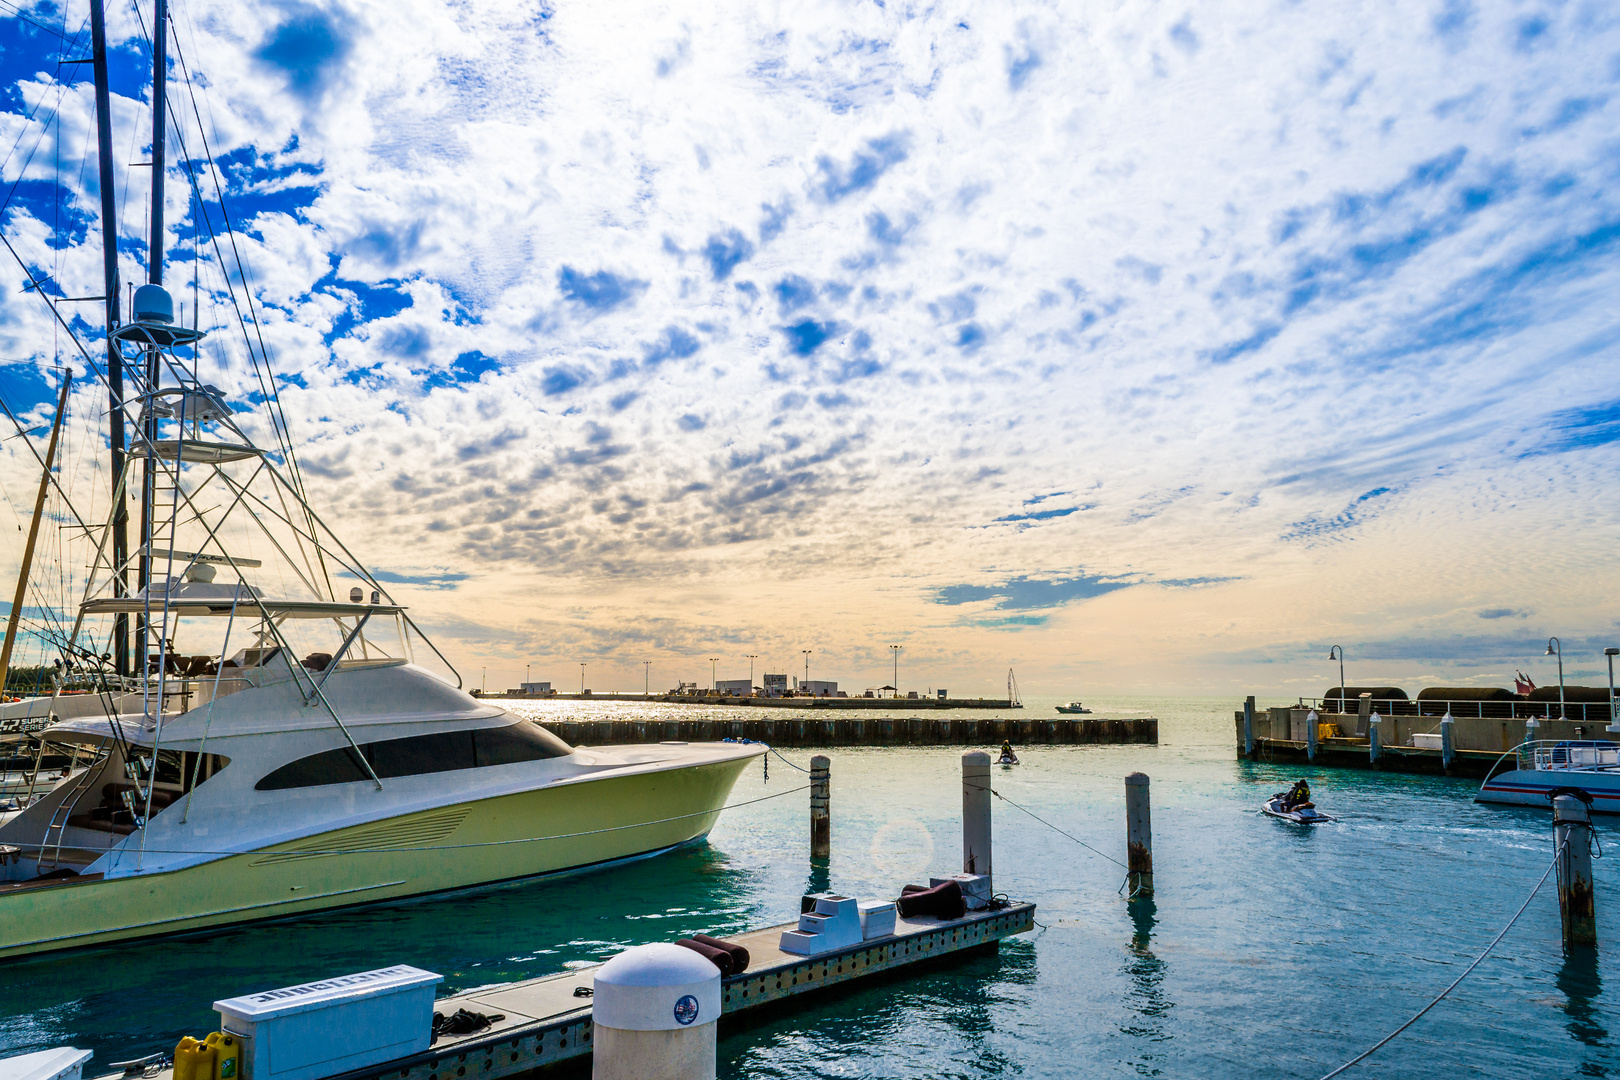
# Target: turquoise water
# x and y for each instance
(1269, 950)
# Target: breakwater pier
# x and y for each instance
(863, 731)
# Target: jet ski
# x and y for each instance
(1301, 814)
(1007, 758)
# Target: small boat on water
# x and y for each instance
(1303, 813)
(1072, 708)
(1007, 758)
(1546, 767)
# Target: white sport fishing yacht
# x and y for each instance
(266, 742)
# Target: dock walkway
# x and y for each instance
(547, 1021)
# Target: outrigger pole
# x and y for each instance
(115, 359)
(33, 532)
(154, 275)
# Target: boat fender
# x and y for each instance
(718, 957)
(227, 1055)
(941, 902)
(739, 954)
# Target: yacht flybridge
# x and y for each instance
(268, 732)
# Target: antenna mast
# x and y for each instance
(115, 359)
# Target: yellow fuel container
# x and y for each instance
(193, 1060)
(227, 1056)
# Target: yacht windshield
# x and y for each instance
(415, 755)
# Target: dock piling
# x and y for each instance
(1447, 741)
(976, 813)
(1572, 837)
(1373, 725)
(656, 1011)
(1248, 726)
(821, 806)
(1138, 836)
(1311, 724)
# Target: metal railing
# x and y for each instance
(1580, 712)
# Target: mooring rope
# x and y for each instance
(300, 852)
(1441, 996)
(784, 757)
(1048, 824)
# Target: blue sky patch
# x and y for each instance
(601, 291)
(725, 251)
(806, 337)
(1025, 593)
(837, 182)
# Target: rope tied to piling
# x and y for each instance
(1043, 821)
(1386, 1040)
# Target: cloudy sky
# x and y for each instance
(1133, 346)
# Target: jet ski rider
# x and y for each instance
(1298, 796)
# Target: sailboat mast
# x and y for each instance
(154, 275)
(33, 533)
(115, 359)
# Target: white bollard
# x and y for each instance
(655, 1012)
(976, 813)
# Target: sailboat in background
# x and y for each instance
(262, 741)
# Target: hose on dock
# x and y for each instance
(1386, 1040)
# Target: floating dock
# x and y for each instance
(546, 1022)
(874, 731)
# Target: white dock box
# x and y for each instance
(324, 1028)
(62, 1063)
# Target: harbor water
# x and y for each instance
(1268, 951)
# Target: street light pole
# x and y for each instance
(751, 658)
(646, 678)
(1556, 648)
(895, 651)
(714, 680)
(582, 679)
(807, 653)
(1339, 651)
(1614, 721)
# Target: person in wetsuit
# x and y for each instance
(1298, 795)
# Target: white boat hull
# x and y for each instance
(1530, 787)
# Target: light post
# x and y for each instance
(646, 678)
(714, 680)
(1338, 650)
(751, 658)
(483, 681)
(582, 679)
(807, 653)
(1556, 648)
(894, 650)
(1614, 721)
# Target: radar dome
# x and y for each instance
(153, 304)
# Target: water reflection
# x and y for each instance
(144, 995)
(1146, 997)
(1580, 983)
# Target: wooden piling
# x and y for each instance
(1447, 741)
(1138, 836)
(820, 807)
(1572, 839)
(976, 813)
(1248, 726)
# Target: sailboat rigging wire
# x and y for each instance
(312, 852)
(1364, 1055)
(16, 13)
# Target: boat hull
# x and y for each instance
(454, 846)
(1530, 787)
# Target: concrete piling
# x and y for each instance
(1447, 741)
(656, 1009)
(1572, 838)
(1311, 723)
(1138, 836)
(976, 813)
(820, 807)
(1248, 726)
(1374, 723)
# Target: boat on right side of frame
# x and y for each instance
(1547, 767)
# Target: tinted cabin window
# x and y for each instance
(520, 742)
(339, 766)
(442, 751)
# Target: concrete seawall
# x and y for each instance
(875, 731)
